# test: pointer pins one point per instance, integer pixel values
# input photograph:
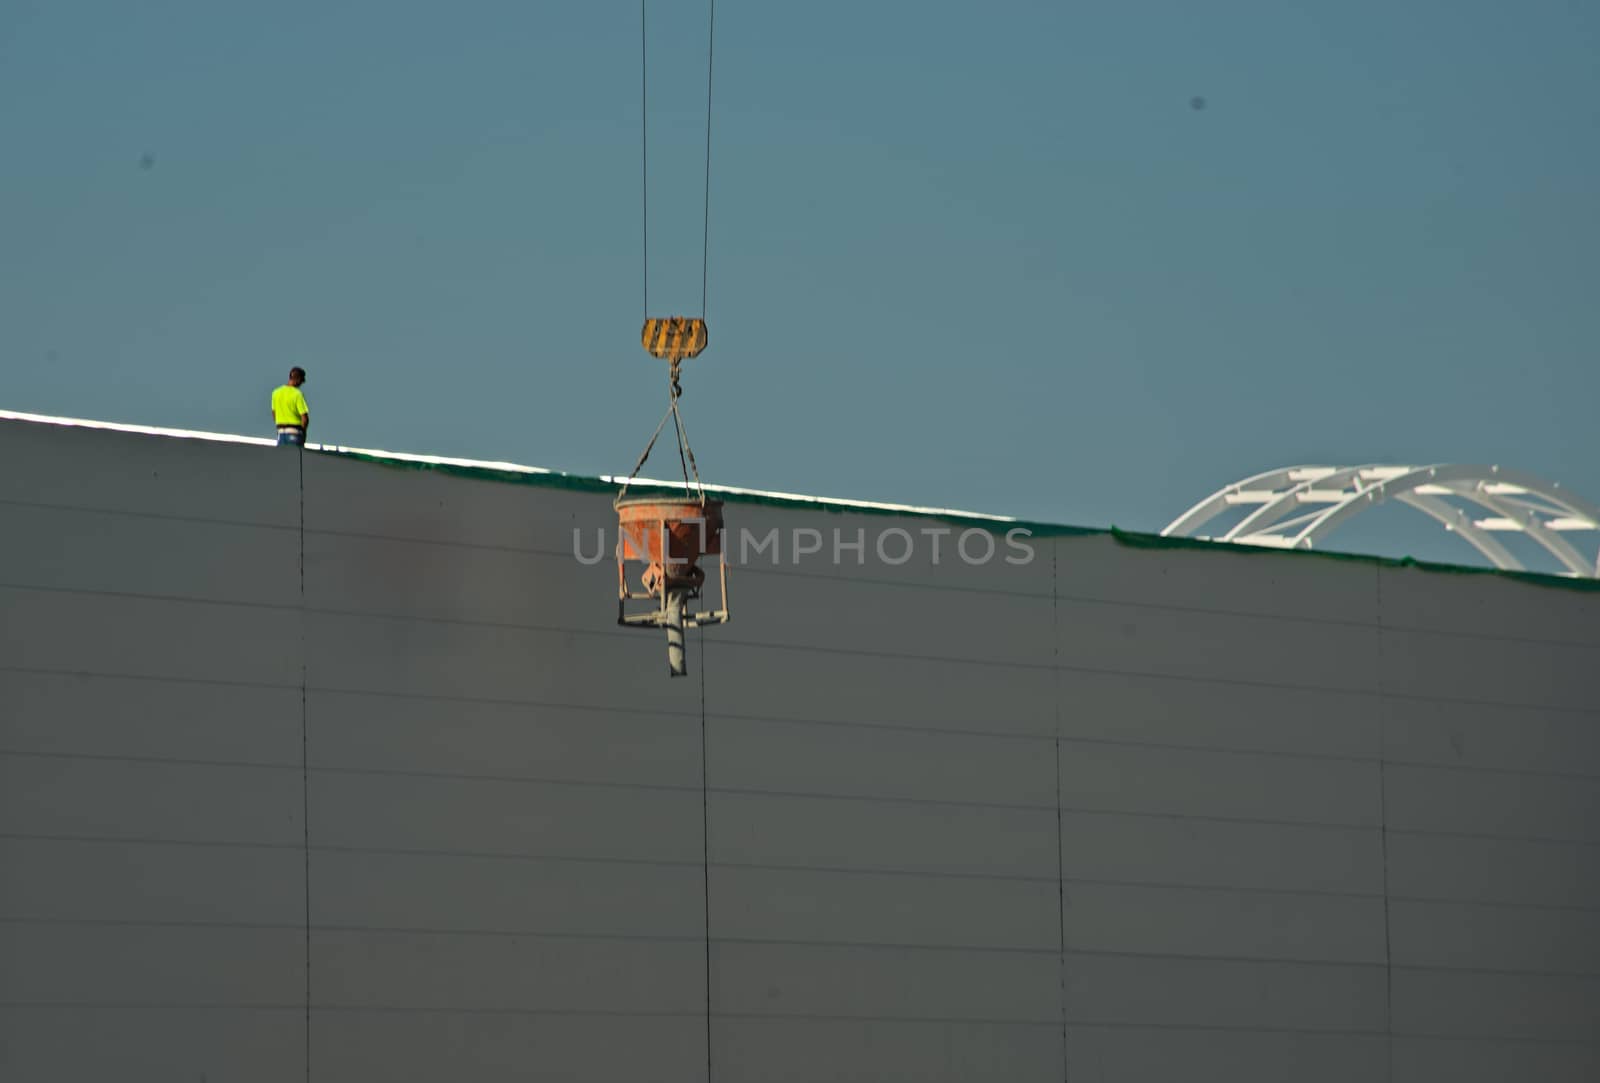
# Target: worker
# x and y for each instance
(289, 410)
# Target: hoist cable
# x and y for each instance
(677, 419)
(685, 452)
(705, 242)
(644, 155)
(685, 449)
(638, 466)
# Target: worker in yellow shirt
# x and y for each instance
(289, 410)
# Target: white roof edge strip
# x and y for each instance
(445, 460)
(146, 430)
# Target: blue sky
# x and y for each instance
(974, 255)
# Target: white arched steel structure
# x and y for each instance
(1299, 506)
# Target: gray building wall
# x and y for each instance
(321, 768)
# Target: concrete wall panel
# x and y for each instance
(1437, 665)
(404, 502)
(70, 632)
(825, 685)
(54, 879)
(85, 714)
(1200, 922)
(754, 1050)
(1243, 717)
(423, 1046)
(876, 908)
(1487, 605)
(1163, 849)
(485, 662)
(508, 817)
(1487, 735)
(1475, 1004)
(76, 963)
(836, 612)
(1500, 803)
(456, 972)
(54, 1043)
(1234, 994)
(1478, 1060)
(553, 742)
(122, 553)
(1488, 870)
(1216, 793)
(509, 896)
(1118, 638)
(149, 475)
(902, 549)
(871, 761)
(895, 836)
(1219, 785)
(1220, 580)
(167, 802)
(1149, 1054)
(1478, 936)
(445, 582)
(885, 982)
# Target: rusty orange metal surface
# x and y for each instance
(670, 536)
(690, 529)
(674, 338)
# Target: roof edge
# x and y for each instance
(516, 473)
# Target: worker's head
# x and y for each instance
(297, 376)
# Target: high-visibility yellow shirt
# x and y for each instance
(289, 406)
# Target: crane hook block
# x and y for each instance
(674, 337)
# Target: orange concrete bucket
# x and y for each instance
(685, 528)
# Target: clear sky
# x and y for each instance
(981, 255)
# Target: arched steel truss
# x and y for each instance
(1299, 506)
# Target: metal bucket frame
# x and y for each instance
(662, 615)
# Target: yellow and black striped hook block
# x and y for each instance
(674, 338)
